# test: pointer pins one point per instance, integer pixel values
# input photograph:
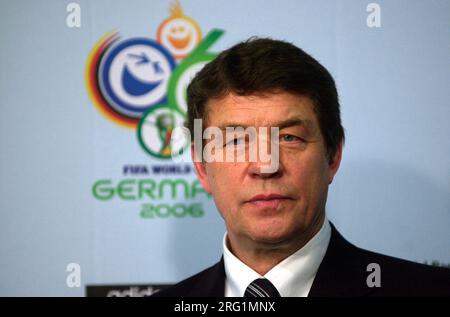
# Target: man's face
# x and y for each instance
(279, 206)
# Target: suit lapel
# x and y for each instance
(342, 271)
(212, 283)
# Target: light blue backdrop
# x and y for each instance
(391, 195)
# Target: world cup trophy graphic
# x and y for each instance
(165, 123)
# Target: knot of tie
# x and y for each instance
(261, 287)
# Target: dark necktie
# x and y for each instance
(261, 287)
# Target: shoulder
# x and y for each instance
(352, 269)
(398, 276)
(209, 282)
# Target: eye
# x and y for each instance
(237, 141)
(289, 138)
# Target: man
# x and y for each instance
(279, 241)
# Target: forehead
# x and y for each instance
(260, 110)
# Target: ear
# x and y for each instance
(200, 169)
(335, 162)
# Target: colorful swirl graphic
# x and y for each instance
(93, 85)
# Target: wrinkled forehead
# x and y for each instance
(262, 110)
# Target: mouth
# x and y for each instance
(136, 87)
(272, 201)
(180, 43)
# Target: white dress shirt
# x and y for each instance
(293, 277)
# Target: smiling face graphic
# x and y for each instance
(134, 75)
(178, 33)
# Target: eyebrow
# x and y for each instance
(281, 125)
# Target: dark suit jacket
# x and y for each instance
(343, 272)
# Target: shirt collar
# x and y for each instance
(292, 277)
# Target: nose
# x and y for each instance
(267, 164)
(264, 171)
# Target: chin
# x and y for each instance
(272, 234)
(280, 229)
